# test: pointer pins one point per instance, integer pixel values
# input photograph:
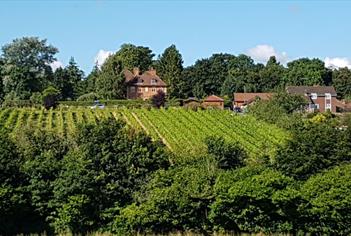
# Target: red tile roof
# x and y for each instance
(249, 97)
(213, 98)
(147, 79)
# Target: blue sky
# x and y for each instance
(287, 29)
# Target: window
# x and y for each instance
(140, 89)
(132, 89)
(327, 96)
(146, 89)
(153, 81)
(328, 106)
(316, 106)
(153, 89)
(313, 95)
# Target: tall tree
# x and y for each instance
(342, 81)
(69, 80)
(27, 65)
(110, 81)
(134, 56)
(169, 67)
(243, 76)
(207, 75)
(272, 75)
(305, 71)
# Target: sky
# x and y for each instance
(91, 30)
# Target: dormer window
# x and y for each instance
(327, 96)
(313, 95)
(153, 81)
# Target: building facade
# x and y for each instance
(143, 86)
(214, 102)
(243, 99)
(319, 98)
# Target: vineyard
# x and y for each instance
(182, 131)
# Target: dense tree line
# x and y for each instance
(25, 72)
(109, 178)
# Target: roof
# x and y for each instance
(319, 90)
(147, 79)
(250, 97)
(213, 98)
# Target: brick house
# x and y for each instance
(143, 85)
(214, 102)
(321, 98)
(244, 99)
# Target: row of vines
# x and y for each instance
(182, 131)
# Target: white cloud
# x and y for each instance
(262, 52)
(337, 62)
(101, 56)
(55, 65)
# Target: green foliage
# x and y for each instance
(102, 172)
(342, 82)
(26, 65)
(69, 80)
(169, 67)
(227, 155)
(271, 75)
(110, 80)
(132, 56)
(89, 97)
(313, 148)
(306, 71)
(327, 204)
(247, 200)
(177, 199)
(50, 97)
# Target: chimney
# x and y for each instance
(136, 71)
(152, 71)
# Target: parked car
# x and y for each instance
(97, 104)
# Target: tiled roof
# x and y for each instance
(249, 97)
(213, 98)
(319, 90)
(147, 79)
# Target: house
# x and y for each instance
(143, 85)
(321, 98)
(244, 99)
(214, 102)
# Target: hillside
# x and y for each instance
(182, 131)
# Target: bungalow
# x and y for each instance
(321, 98)
(244, 99)
(214, 102)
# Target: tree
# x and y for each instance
(313, 148)
(169, 67)
(342, 81)
(227, 155)
(272, 75)
(207, 75)
(27, 65)
(69, 80)
(90, 81)
(305, 71)
(1, 80)
(132, 56)
(101, 174)
(249, 199)
(177, 199)
(159, 99)
(327, 206)
(110, 82)
(242, 76)
(50, 97)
